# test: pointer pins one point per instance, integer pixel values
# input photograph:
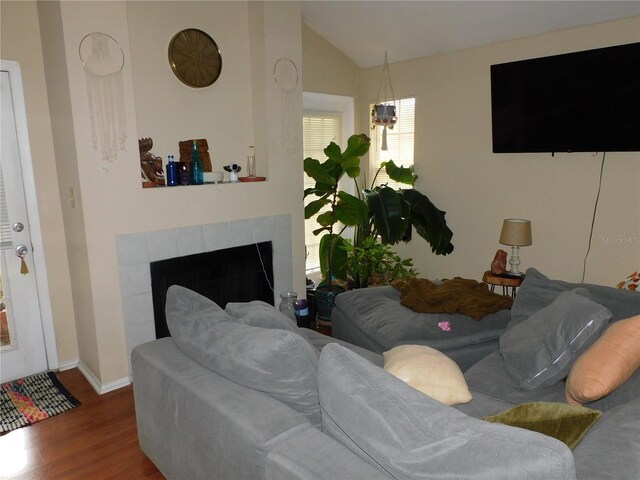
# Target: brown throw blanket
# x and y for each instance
(459, 295)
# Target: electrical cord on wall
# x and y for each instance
(593, 218)
(264, 269)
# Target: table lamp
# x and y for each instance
(516, 233)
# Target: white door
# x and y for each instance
(22, 346)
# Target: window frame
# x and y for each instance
(375, 152)
(340, 105)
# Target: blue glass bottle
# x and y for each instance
(197, 175)
(172, 172)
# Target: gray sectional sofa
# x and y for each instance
(242, 393)
(373, 318)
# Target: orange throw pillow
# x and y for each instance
(607, 364)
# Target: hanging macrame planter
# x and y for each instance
(384, 114)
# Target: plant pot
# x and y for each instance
(385, 115)
(326, 300)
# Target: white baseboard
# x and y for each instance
(68, 365)
(99, 387)
(120, 383)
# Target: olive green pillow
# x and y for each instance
(567, 423)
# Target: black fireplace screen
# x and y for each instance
(238, 274)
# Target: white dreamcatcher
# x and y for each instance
(103, 60)
(285, 74)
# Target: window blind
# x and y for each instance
(5, 227)
(399, 142)
(319, 129)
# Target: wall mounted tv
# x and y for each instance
(577, 102)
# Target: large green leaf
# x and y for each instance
(337, 247)
(357, 146)
(333, 153)
(388, 213)
(322, 189)
(351, 167)
(400, 174)
(350, 210)
(326, 219)
(314, 207)
(319, 190)
(318, 171)
(429, 222)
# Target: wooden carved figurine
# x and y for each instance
(499, 264)
(186, 148)
(150, 165)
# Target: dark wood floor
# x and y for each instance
(98, 440)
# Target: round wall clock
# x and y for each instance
(195, 58)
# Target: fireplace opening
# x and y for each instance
(237, 274)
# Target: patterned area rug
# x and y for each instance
(28, 400)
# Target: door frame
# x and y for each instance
(31, 198)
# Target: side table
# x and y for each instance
(316, 324)
(505, 281)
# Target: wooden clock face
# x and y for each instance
(195, 58)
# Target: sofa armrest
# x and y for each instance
(195, 424)
(313, 455)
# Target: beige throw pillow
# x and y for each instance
(428, 371)
(607, 364)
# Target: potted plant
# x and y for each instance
(379, 212)
(374, 263)
(344, 210)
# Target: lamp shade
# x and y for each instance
(516, 232)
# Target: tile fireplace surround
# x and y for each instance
(136, 251)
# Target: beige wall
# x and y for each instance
(169, 111)
(244, 107)
(21, 42)
(68, 177)
(327, 70)
(478, 189)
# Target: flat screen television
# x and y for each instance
(586, 101)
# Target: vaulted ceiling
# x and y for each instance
(364, 29)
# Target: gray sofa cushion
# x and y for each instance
(611, 450)
(278, 362)
(261, 314)
(490, 377)
(182, 301)
(408, 435)
(539, 352)
(538, 291)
